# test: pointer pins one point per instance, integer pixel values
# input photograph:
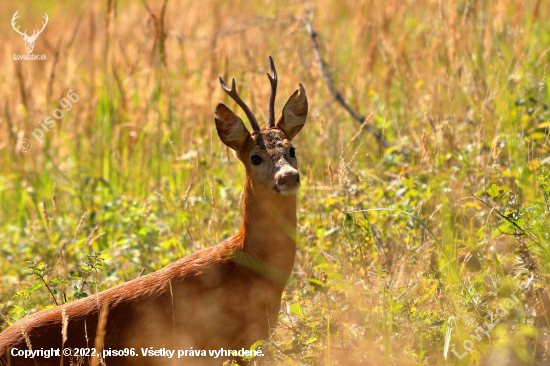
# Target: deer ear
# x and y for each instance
(230, 127)
(292, 118)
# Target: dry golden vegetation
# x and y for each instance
(133, 176)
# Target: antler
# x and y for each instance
(273, 81)
(13, 24)
(233, 94)
(34, 35)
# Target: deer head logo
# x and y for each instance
(29, 41)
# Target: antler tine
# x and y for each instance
(43, 25)
(15, 16)
(233, 94)
(46, 18)
(273, 81)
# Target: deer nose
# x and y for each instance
(288, 178)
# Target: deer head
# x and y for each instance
(267, 154)
(29, 41)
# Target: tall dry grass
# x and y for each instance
(457, 87)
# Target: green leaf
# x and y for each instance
(58, 281)
(297, 309)
(493, 191)
(318, 285)
(80, 295)
(311, 340)
(316, 282)
(35, 287)
(257, 345)
(76, 277)
(496, 191)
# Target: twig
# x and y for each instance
(321, 64)
(50, 290)
(160, 29)
(40, 274)
(500, 214)
(85, 279)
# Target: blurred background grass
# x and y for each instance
(135, 171)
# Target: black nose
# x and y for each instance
(288, 179)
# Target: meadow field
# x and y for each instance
(423, 215)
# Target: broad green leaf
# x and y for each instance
(80, 295)
(297, 309)
(311, 340)
(493, 191)
(35, 287)
(257, 345)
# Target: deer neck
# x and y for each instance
(268, 232)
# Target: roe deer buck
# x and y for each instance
(226, 296)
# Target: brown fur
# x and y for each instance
(226, 296)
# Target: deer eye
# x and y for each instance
(292, 152)
(256, 160)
